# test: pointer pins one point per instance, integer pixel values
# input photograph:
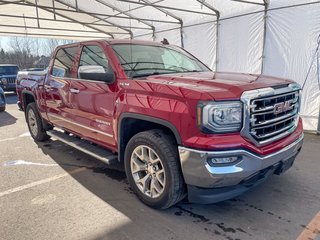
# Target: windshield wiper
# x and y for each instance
(154, 73)
(159, 63)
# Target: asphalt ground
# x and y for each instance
(51, 191)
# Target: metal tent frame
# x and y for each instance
(94, 29)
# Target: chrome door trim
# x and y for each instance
(80, 125)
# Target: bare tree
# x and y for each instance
(51, 44)
(22, 51)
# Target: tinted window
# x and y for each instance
(93, 59)
(8, 70)
(63, 62)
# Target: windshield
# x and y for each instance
(8, 70)
(144, 60)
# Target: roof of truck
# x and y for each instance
(115, 41)
(126, 41)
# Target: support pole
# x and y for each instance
(217, 43)
(181, 34)
(54, 10)
(265, 16)
(37, 12)
(77, 8)
(217, 14)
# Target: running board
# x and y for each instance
(85, 146)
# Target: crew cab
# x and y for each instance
(8, 74)
(178, 128)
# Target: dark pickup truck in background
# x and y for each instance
(178, 128)
(8, 74)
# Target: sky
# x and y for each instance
(4, 43)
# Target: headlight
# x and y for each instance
(219, 117)
(3, 80)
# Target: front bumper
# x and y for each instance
(199, 175)
(8, 87)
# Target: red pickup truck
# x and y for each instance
(178, 128)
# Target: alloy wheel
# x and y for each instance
(147, 171)
(32, 122)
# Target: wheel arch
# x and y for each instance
(27, 97)
(148, 123)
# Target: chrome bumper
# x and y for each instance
(197, 171)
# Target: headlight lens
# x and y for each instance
(3, 80)
(220, 117)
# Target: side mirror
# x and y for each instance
(95, 72)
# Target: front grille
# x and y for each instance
(273, 116)
(11, 80)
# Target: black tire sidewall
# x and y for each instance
(162, 200)
(41, 134)
(2, 109)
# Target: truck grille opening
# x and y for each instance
(11, 80)
(273, 117)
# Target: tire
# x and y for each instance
(2, 109)
(34, 122)
(159, 185)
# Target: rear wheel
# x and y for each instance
(2, 109)
(34, 122)
(153, 169)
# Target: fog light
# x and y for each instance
(216, 161)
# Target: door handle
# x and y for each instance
(74, 90)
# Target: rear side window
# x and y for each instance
(93, 59)
(63, 62)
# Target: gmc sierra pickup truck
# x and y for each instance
(178, 128)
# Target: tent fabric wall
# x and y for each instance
(292, 35)
(201, 41)
(241, 43)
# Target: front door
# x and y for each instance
(93, 99)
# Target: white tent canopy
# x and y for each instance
(273, 37)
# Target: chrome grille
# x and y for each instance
(270, 114)
(266, 122)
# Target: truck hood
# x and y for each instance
(214, 85)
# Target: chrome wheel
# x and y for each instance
(32, 122)
(147, 171)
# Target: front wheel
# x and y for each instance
(153, 169)
(2, 109)
(34, 121)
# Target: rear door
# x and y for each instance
(57, 87)
(93, 100)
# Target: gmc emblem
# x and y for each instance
(283, 106)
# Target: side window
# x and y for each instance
(63, 62)
(93, 60)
